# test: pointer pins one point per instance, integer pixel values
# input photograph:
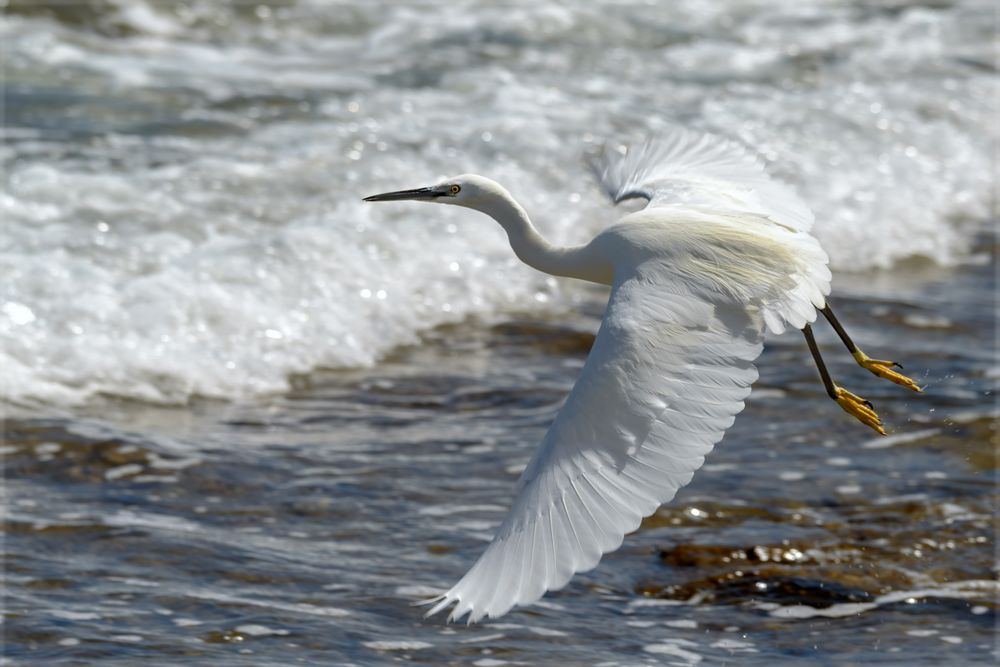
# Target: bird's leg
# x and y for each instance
(879, 367)
(854, 405)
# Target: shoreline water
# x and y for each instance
(304, 524)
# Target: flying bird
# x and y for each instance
(720, 256)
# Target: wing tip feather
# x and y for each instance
(580, 539)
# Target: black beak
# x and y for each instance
(418, 194)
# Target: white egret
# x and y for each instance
(720, 255)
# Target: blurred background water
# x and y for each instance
(249, 419)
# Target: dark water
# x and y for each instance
(297, 529)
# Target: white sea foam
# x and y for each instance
(155, 521)
(970, 589)
(74, 615)
(899, 438)
(397, 645)
(300, 608)
(446, 510)
(190, 223)
(256, 630)
(122, 471)
(688, 657)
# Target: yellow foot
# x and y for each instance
(883, 369)
(860, 409)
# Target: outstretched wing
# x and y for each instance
(685, 168)
(668, 372)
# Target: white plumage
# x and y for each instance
(720, 255)
(684, 168)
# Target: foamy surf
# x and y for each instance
(192, 225)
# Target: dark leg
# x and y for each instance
(835, 323)
(831, 388)
(879, 367)
(856, 406)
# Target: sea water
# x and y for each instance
(251, 419)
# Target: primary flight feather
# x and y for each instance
(720, 255)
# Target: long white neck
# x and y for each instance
(581, 262)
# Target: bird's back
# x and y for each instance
(724, 256)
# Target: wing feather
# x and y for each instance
(691, 169)
(667, 375)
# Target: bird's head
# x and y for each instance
(467, 190)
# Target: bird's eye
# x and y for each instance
(454, 190)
